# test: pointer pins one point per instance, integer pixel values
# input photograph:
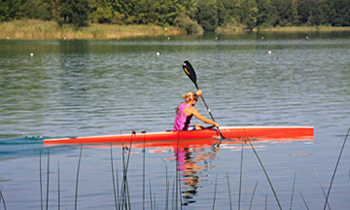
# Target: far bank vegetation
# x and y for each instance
(115, 18)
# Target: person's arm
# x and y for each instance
(195, 113)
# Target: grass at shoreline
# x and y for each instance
(38, 29)
(306, 28)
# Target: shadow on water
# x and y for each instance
(27, 146)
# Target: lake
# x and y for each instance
(60, 88)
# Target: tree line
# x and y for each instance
(187, 14)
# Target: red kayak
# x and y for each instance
(233, 133)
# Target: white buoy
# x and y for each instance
(307, 37)
(8, 37)
(168, 38)
(64, 38)
(269, 52)
(31, 54)
(262, 37)
(158, 53)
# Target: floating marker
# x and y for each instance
(31, 54)
(269, 52)
(158, 53)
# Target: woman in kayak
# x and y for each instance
(185, 111)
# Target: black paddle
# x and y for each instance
(192, 75)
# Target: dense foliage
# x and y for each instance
(187, 14)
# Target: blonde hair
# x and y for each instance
(190, 96)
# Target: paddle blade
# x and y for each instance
(188, 69)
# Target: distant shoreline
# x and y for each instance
(38, 29)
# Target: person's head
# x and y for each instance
(190, 97)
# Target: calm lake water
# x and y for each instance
(98, 87)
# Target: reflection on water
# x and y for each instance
(191, 174)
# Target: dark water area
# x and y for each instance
(68, 88)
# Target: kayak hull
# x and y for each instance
(237, 133)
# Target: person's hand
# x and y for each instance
(216, 125)
(199, 93)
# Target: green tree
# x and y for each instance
(74, 12)
(282, 12)
(263, 17)
(38, 9)
(168, 11)
(146, 11)
(10, 9)
(250, 13)
(338, 12)
(208, 14)
(227, 13)
(4, 8)
(105, 11)
(309, 12)
(126, 9)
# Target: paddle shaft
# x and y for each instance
(192, 75)
(206, 105)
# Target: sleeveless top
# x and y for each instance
(182, 121)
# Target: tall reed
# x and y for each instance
(41, 182)
(335, 169)
(262, 166)
(77, 180)
(113, 180)
(2, 199)
(48, 179)
(229, 189)
(251, 201)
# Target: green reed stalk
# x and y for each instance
(291, 200)
(229, 189)
(117, 178)
(41, 182)
(268, 179)
(216, 184)
(114, 190)
(58, 187)
(324, 192)
(302, 197)
(77, 180)
(123, 188)
(251, 201)
(150, 194)
(240, 180)
(335, 170)
(48, 179)
(2, 199)
(126, 181)
(144, 173)
(154, 201)
(166, 187)
(173, 195)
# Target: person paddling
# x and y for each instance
(185, 111)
